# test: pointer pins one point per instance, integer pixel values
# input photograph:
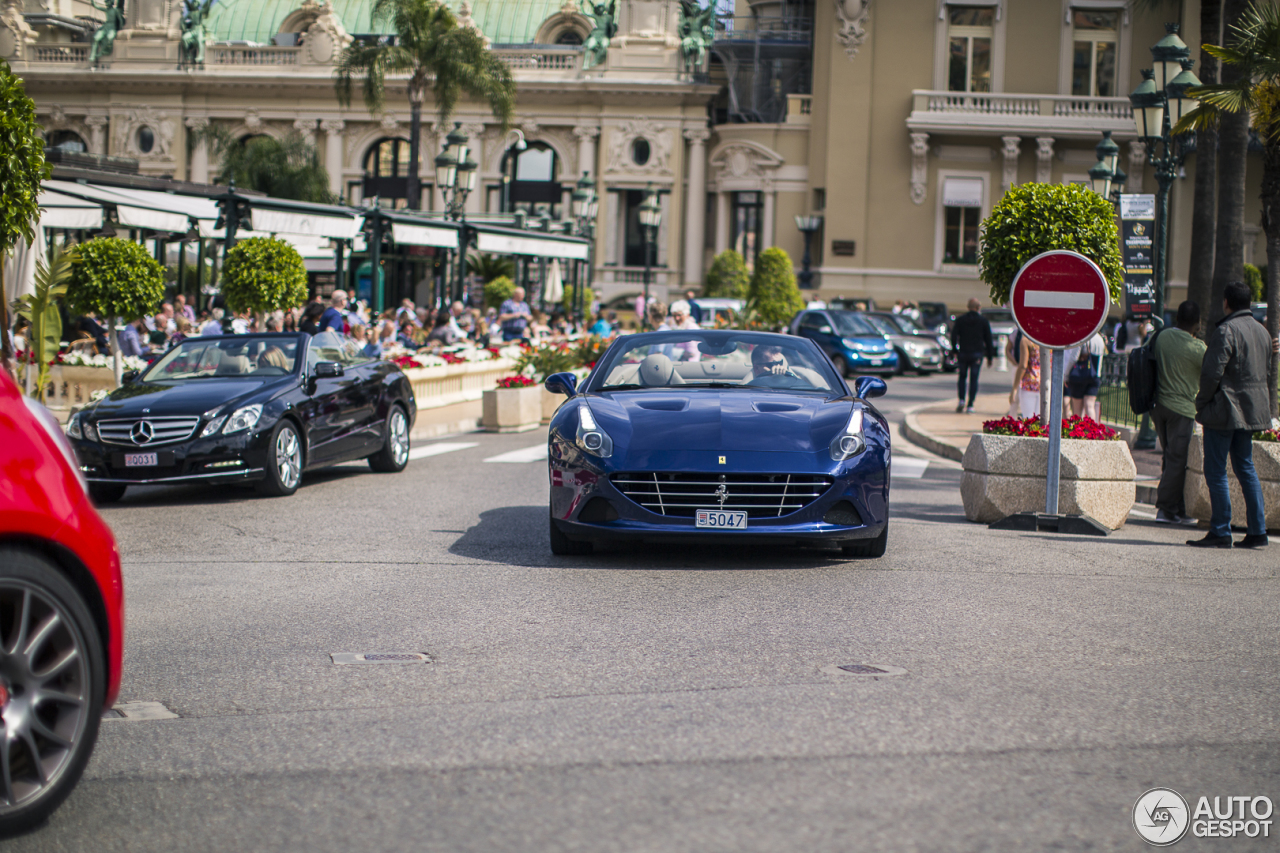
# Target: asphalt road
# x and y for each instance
(662, 699)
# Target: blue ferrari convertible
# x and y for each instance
(682, 436)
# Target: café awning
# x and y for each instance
(64, 211)
(512, 241)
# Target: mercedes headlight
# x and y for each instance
(73, 426)
(850, 442)
(242, 419)
(591, 437)
(214, 423)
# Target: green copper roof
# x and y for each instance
(503, 21)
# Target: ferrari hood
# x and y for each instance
(720, 420)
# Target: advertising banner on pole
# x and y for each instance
(1137, 253)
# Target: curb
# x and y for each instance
(912, 431)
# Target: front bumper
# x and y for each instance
(577, 478)
(870, 363)
(215, 459)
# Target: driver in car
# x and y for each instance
(769, 361)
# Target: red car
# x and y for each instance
(61, 614)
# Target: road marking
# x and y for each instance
(1140, 514)
(437, 449)
(1057, 299)
(909, 467)
(142, 711)
(528, 454)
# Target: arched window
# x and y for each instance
(531, 178)
(65, 140)
(387, 158)
(570, 37)
(386, 174)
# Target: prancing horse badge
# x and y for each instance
(721, 460)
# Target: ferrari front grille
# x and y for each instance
(146, 432)
(761, 495)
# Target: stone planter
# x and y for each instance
(445, 385)
(513, 409)
(1266, 461)
(73, 385)
(1004, 474)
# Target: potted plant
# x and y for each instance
(1266, 461)
(117, 280)
(1005, 469)
(514, 406)
(263, 274)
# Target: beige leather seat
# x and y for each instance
(233, 365)
(658, 369)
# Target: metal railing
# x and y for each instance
(1113, 392)
(59, 54)
(265, 55)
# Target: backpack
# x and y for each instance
(1142, 376)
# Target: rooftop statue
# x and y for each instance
(194, 34)
(605, 26)
(104, 37)
(696, 33)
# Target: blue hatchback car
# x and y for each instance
(853, 344)
(718, 435)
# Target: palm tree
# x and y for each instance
(1233, 153)
(284, 168)
(1203, 211)
(436, 54)
(487, 267)
(1249, 91)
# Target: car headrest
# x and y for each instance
(233, 365)
(658, 369)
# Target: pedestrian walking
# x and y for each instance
(971, 341)
(1179, 356)
(1232, 404)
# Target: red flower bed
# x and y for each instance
(516, 381)
(453, 358)
(1267, 435)
(1072, 427)
(405, 361)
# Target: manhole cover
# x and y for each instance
(864, 670)
(342, 658)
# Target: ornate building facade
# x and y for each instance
(901, 123)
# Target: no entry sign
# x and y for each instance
(1059, 299)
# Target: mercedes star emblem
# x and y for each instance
(142, 432)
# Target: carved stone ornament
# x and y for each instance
(1044, 159)
(1137, 166)
(697, 135)
(390, 123)
(57, 119)
(1009, 176)
(919, 166)
(586, 132)
(622, 143)
(324, 36)
(853, 16)
(465, 20)
(253, 121)
(332, 126)
(126, 129)
(744, 165)
(15, 32)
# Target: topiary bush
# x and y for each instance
(773, 294)
(1035, 218)
(498, 291)
(263, 274)
(728, 277)
(117, 280)
(1253, 278)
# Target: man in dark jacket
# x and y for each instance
(1232, 404)
(971, 342)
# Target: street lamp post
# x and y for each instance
(456, 175)
(650, 218)
(808, 226)
(585, 207)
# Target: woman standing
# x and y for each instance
(1026, 382)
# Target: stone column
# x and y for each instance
(333, 128)
(199, 172)
(695, 205)
(97, 134)
(307, 127)
(722, 221)
(1044, 159)
(1009, 176)
(770, 205)
(586, 150)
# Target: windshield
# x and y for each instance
(714, 360)
(882, 324)
(997, 315)
(907, 325)
(241, 355)
(848, 323)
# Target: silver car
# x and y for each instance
(915, 352)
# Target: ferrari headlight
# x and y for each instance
(591, 437)
(242, 419)
(851, 441)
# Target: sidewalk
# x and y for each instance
(939, 428)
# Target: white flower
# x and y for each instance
(427, 360)
(512, 352)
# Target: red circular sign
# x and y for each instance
(1059, 299)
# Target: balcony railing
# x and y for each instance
(541, 57)
(61, 54)
(1060, 114)
(238, 55)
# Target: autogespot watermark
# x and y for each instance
(1162, 817)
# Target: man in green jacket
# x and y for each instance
(1232, 404)
(1179, 356)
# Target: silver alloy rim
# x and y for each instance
(399, 438)
(45, 671)
(288, 458)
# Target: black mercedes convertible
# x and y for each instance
(263, 408)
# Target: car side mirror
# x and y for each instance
(128, 376)
(826, 330)
(328, 369)
(562, 383)
(867, 387)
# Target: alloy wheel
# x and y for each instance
(44, 692)
(399, 428)
(288, 458)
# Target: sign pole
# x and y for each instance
(1055, 434)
